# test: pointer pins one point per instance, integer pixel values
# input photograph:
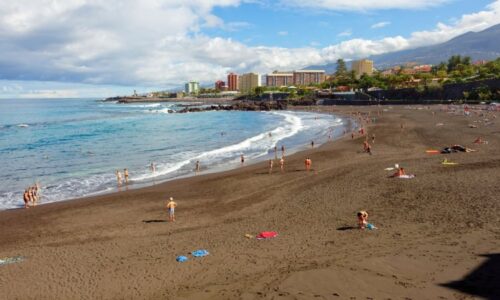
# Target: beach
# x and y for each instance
(438, 234)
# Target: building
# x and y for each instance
(363, 66)
(220, 85)
(423, 69)
(248, 82)
(232, 82)
(308, 77)
(279, 79)
(192, 87)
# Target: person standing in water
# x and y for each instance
(312, 144)
(197, 170)
(118, 177)
(171, 205)
(152, 167)
(242, 158)
(125, 174)
(26, 198)
(282, 150)
(275, 152)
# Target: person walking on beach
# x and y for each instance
(312, 144)
(271, 166)
(125, 174)
(275, 152)
(352, 135)
(282, 150)
(197, 170)
(308, 163)
(118, 177)
(282, 165)
(373, 138)
(171, 205)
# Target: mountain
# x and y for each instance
(483, 45)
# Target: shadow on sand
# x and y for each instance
(484, 281)
(154, 221)
(344, 228)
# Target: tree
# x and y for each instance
(341, 68)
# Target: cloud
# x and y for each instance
(161, 43)
(363, 5)
(345, 33)
(282, 33)
(380, 25)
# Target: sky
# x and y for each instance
(93, 48)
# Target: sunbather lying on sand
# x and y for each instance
(456, 148)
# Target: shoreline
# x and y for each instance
(434, 230)
(292, 150)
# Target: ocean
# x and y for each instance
(73, 146)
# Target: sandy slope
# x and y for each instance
(432, 229)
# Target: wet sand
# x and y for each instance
(438, 236)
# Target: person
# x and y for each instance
(34, 191)
(479, 140)
(31, 196)
(197, 170)
(352, 135)
(118, 177)
(282, 164)
(312, 144)
(26, 198)
(271, 166)
(400, 172)
(373, 138)
(125, 174)
(242, 159)
(171, 205)
(362, 219)
(153, 167)
(282, 150)
(308, 164)
(275, 152)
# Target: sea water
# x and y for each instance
(73, 147)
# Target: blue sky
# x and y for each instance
(83, 48)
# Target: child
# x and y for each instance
(362, 219)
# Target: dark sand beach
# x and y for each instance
(438, 234)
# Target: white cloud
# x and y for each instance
(282, 33)
(363, 5)
(380, 25)
(345, 33)
(160, 42)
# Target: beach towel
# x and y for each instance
(449, 163)
(199, 253)
(389, 169)
(181, 258)
(432, 151)
(370, 226)
(409, 176)
(11, 260)
(267, 235)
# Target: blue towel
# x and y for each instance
(181, 258)
(370, 226)
(199, 253)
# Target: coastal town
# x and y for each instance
(360, 81)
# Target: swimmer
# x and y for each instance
(26, 198)
(171, 205)
(125, 174)
(197, 168)
(118, 177)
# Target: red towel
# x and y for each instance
(267, 234)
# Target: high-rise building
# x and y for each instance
(279, 79)
(192, 88)
(248, 82)
(363, 66)
(308, 77)
(220, 85)
(232, 82)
